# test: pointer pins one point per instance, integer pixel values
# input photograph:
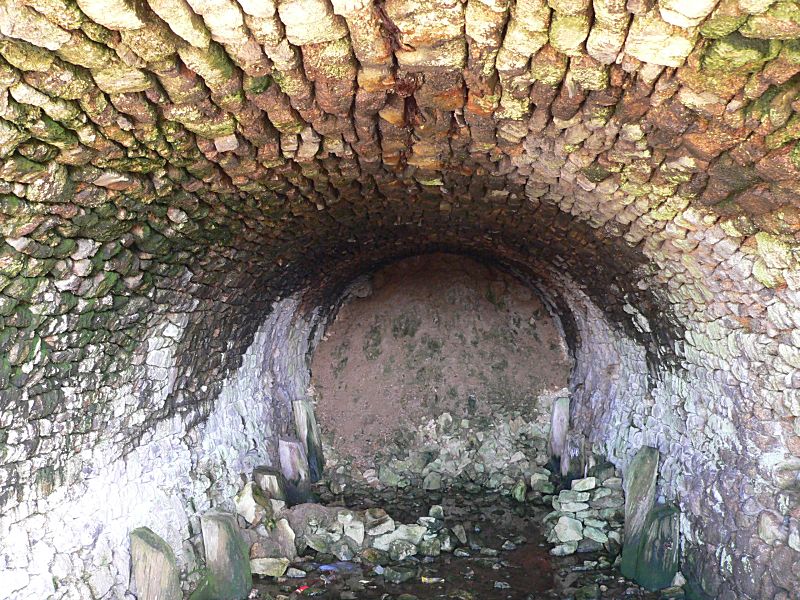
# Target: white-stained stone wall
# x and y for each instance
(74, 543)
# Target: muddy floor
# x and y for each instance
(505, 557)
(437, 333)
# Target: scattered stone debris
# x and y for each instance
(466, 545)
(481, 528)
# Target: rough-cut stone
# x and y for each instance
(114, 14)
(685, 13)
(559, 426)
(569, 530)
(19, 21)
(226, 560)
(407, 533)
(780, 21)
(269, 567)
(293, 461)
(662, 200)
(639, 483)
(310, 22)
(154, 568)
(178, 15)
(584, 485)
(655, 41)
(252, 504)
(433, 481)
(659, 552)
(271, 481)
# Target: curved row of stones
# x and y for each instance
(171, 168)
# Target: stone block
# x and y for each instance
(19, 21)
(559, 425)
(228, 575)
(252, 504)
(653, 40)
(685, 13)
(568, 529)
(180, 18)
(114, 14)
(639, 483)
(269, 567)
(781, 21)
(311, 22)
(153, 566)
(736, 53)
(568, 32)
(294, 464)
(658, 554)
(304, 418)
(271, 481)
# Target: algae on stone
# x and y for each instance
(658, 556)
(735, 52)
(228, 574)
(155, 570)
(640, 492)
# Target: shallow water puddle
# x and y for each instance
(505, 557)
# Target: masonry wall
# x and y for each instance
(73, 542)
(168, 170)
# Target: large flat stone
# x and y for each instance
(227, 564)
(639, 482)
(154, 568)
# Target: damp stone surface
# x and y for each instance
(191, 189)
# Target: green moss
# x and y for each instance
(498, 302)
(780, 21)
(513, 108)
(133, 165)
(770, 278)
(212, 64)
(212, 129)
(791, 51)
(591, 75)
(372, 342)
(256, 85)
(47, 130)
(775, 252)
(759, 108)
(432, 347)
(291, 83)
(567, 32)
(22, 288)
(7, 306)
(5, 376)
(25, 56)
(22, 317)
(46, 479)
(549, 70)
(335, 59)
(737, 53)
(105, 285)
(795, 154)
(10, 138)
(719, 26)
(405, 325)
(19, 168)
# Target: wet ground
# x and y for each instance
(505, 557)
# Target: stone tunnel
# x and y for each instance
(192, 190)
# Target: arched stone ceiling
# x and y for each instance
(170, 167)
